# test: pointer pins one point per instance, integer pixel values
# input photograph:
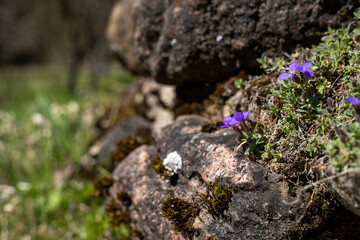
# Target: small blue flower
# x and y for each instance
(239, 116)
(235, 120)
(306, 70)
(295, 68)
(353, 100)
(227, 122)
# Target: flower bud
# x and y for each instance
(303, 77)
(357, 116)
(353, 82)
(302, 58)
(238, 131)
(330, 103)
(331, 135)
(303, 96)
(296, 79)
(343, 136)
(248, 125)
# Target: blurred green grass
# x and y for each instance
(43, 129)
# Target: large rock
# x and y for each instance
(258, 208)
(201, 40)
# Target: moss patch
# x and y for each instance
(217, 199)
(180, 212)
(159, 168)
(116, 214)
(126, 146)
(101, 186)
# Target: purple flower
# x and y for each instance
(228, 121)
(356, 103)
(235, 120)
(239, 116)
(353, 100)
(306, 70)
(295, 68)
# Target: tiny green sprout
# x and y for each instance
(239, 84)
(269, 153)
(256, 142)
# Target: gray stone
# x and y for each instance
(207, 41)
(99, 153)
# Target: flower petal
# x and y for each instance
(353, 100)
(295, 66)
(309, 73)
(225, 126)
(246, 113)
(284, 76)
(234, 122)
(227, 119)
(239, 116)
(306, 66)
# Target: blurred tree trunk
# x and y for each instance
(85, 22)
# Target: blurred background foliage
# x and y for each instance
(56, 79)
(58, 31)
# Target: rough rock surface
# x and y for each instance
(99, 153)
(346, 188)
(256, 211)
(208, 40)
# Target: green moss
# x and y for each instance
(217, 199)
(159, 167)
(126, 146)
(180, 212)
(116, 214)
(101, 186)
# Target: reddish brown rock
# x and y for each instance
(147, 191)
(256, 210)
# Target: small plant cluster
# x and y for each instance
(315, 102)
(254, 140)
(345, 150)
